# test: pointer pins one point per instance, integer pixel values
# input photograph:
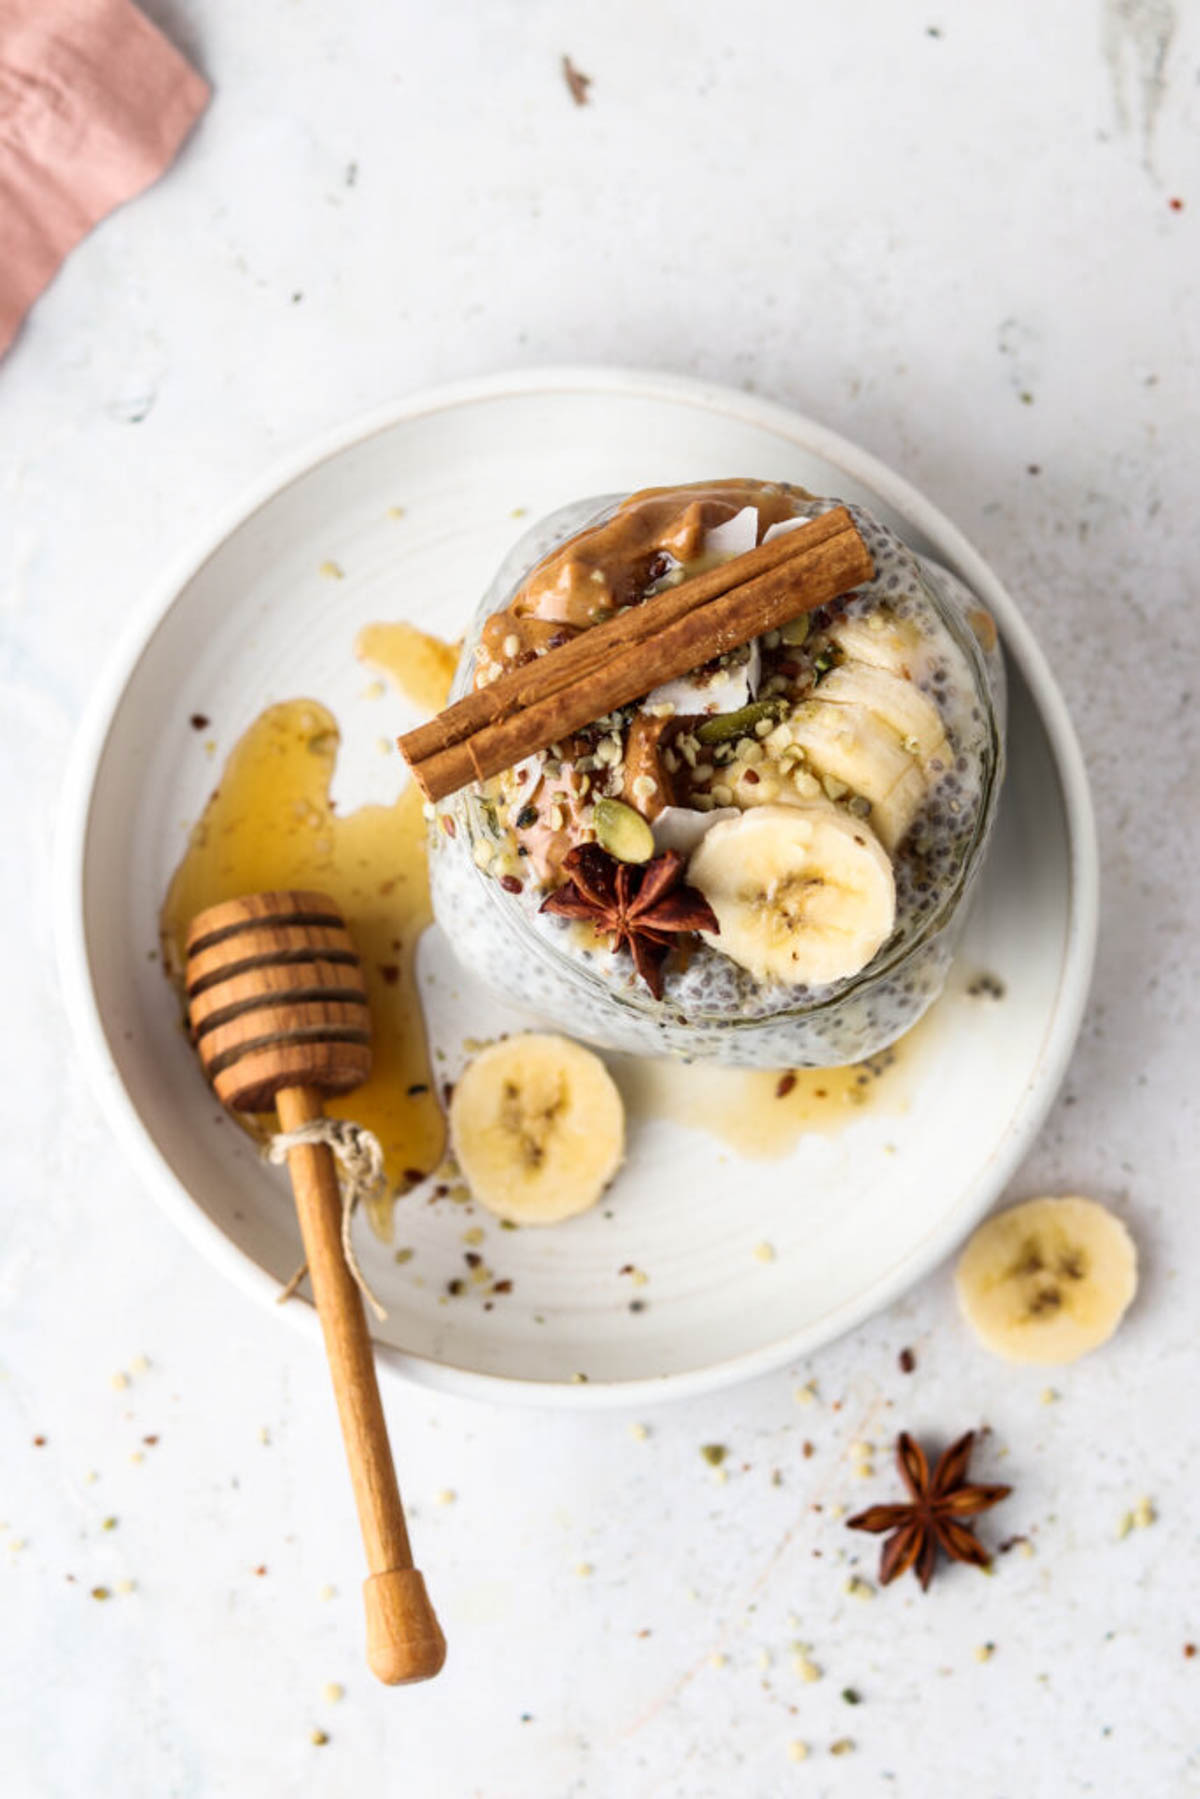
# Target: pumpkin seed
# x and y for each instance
(623, 832)
(724, 725)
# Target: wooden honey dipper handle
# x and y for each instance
(404, 1640)
(278, 1010)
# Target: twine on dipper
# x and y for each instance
(361, 1176)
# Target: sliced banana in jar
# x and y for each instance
(538, 1128)
(910, 713)
(851, 744)
(1048, 1280)
(803, 894)
(881, 639)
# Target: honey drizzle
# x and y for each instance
(421, 667)
(763, 1113)
(270, 823)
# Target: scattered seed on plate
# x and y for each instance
(718, 1660)
(447, 1496)
(118, 1380)
(318, 1737)
(639, 1432)
(584, 1570)
(858, 1588)
(797, 1751)
(764, 1252)
(984, 1652)
(713, 1453)
(333, 571)
(332, 1692)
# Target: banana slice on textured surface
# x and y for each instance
(803, 894)
(852, 745)
(910, 713)
(882, 640)
(538, 1128)
(1047, 1280)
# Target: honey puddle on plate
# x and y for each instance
(420, 666)
(762, 1113)
(270, 823)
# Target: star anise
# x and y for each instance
(933, 1518)
(644, 907)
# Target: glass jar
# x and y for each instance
(721, 1013)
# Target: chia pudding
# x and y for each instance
(818, 800)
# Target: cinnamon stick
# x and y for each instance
(520, 687)
(621, 660)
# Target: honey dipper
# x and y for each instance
(278, 1011)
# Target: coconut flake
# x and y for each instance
(526, 776)
(725, 689)
(784, 525)
(737, 535)
(680, 828)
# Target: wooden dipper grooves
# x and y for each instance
(666, 636)
(278, 1012)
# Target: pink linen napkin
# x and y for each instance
(94, 104)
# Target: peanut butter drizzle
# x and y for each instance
(606, 566)
(270, 823)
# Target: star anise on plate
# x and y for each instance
(644, 908)
(933, 1518)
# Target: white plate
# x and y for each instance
(853, 1218)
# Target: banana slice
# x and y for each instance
(855, 747)
(538, 1128)
(882, 640)
(803, 894)
(911, 714)
(1047, 1280)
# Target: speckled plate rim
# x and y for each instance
(1045, 1075)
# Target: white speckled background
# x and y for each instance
(947, 231)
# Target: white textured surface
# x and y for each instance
(903, 234)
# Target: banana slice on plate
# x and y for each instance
(902, 706)
(803, 894)
(538, 1128)
(1047, 1280)
(850, 744)
(882, 640)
